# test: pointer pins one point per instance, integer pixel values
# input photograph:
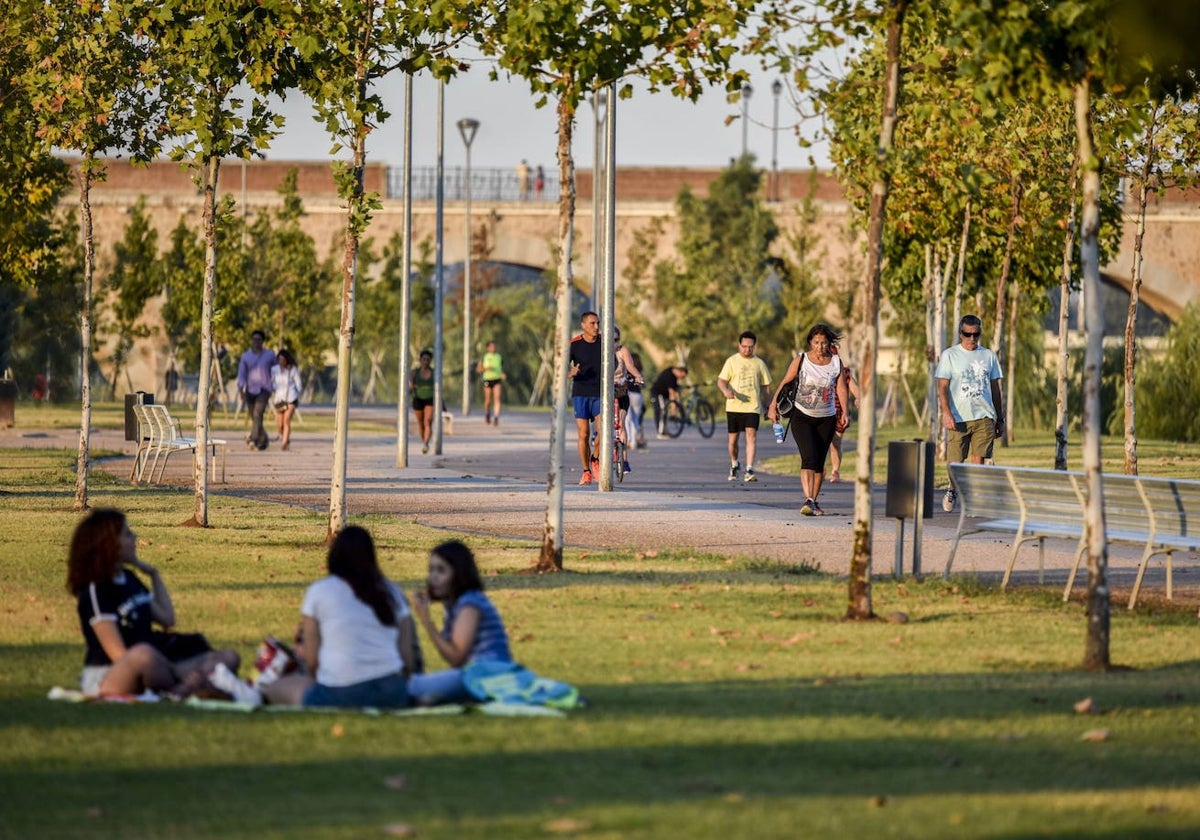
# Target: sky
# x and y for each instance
(652, 129)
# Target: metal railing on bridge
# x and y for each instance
(492, 184)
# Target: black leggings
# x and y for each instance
(813, 435)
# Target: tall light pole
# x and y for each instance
(439, 296)
(776, 89)
(746, 92)
(467, 128)
(402, 399)
(599, 101)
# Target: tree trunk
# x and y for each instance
(550, 558)
(940, 436)
(932, 291)
(1135, 291)
(859, 606)
(355, 205)
(212, 172)
(83, 458)
(1096, 650)
(998, 334)
(1010, 375)
(1064, 335)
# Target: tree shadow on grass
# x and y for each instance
(326, 774)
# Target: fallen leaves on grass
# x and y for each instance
(337, 730)
(797, 638)
(396, 782)
(1096, 735)
(399, 830)
(878, 801)
(1086, 706)
(566, 826)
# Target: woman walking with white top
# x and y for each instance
(286, 385)
(819, 409)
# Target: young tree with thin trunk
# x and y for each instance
(1159, 143)
(1130, 49)
(348, 48)
(567, 50)
(91, 83)
(211, 52)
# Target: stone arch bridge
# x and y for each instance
(523, 227)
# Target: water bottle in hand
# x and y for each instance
(779, 432)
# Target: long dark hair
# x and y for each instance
(462, 562)
(95, 549)
(830, 335)
(352, 558)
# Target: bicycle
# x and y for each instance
(692, 410)
(619, 453)
(620, 449)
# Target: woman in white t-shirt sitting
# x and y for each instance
(357, 639)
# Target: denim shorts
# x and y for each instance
(387, 692)
(439, 687)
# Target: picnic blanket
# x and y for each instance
(497, 708)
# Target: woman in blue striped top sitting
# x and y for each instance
(472, 632)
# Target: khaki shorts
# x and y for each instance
(970, 440)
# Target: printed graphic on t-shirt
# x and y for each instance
(813, 393)
(974, 382)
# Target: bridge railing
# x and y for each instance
(487, 184)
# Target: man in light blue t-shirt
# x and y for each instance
(968, 388)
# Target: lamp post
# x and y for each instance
(467, 128)
(402, 399)
(599, 102)
(776, 89)
(746, 92)
(439, 294)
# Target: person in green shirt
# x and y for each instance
(492, 368)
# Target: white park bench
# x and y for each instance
(1161, 515)
(159, 438)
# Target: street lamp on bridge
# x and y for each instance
(467, 128)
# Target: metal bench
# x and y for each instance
(1160, 515)
(162, 439)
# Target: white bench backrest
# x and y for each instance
(997, 492)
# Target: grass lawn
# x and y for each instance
(728, 700)
(1031, 448)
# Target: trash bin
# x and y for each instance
(910, 464)
(131, 423)
(8, 403)
(902, 478)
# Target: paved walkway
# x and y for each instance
(493, 480)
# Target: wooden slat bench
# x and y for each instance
(1161, 515)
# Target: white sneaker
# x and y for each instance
(949, 500)
(224, 679)
(749, 476)
(733, 470)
